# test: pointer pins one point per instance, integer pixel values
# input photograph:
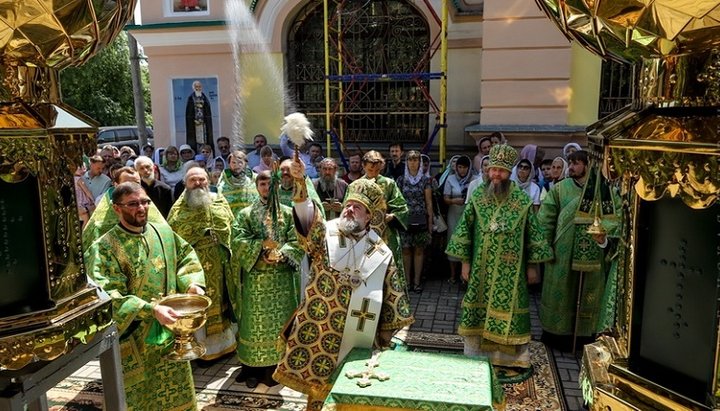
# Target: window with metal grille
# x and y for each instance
(616, 87)
(366, 37)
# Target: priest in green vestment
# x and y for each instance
(575, 251)
(397, 215)
(286, 186)
(355, 296)
(136, 262)
(104, 218)
(496, 238)
(266, 261)
(204, 220)
(235, 185)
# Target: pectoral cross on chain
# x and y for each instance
(363, 314)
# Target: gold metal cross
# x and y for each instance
(375, 247)
(363, 314)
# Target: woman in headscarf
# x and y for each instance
(524, 179)
(416, 188)
(483, 145)
(455, 192)
(480, 179)
(171, 168)
(570, 148)
(558, 170)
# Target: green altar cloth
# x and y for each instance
(418, 381)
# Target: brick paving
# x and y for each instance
(437, 310)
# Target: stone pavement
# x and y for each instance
(437, 310)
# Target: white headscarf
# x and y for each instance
(568, 145)
(413, 179)
(565, 170)
(448, 170)
(524, 185)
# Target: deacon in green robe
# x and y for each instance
(204, 220)
(235, 185)
(397, 210)
(268, 281)
(136, 262)
(104, 218)
(575, 251)
(495, 239)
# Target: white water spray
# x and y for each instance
(255, 71)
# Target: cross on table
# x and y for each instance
(368, 373)
(374, 247)
(363, 314)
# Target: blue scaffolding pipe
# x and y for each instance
(338, 147)
(429, 142)
(387, 77)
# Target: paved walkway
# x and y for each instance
(437, 310)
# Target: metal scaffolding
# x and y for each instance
(350, 77)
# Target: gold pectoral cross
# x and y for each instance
(363, 314)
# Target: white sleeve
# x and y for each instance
(305, 212)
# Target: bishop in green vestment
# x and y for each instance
(575, 251)
(495, 239)
(355, 296)
(235, 185)
(204, 220)
(397, 210)
(266, 260)
(136, 262)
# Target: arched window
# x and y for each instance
(378, 37)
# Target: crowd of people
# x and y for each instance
(303, 262)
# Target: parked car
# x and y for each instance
(122, 136)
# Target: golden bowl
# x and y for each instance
(192, 314)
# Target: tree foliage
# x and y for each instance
(102, 87)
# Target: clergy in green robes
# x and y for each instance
(398, 213)
(575, 251)
(235, 185)
(204, 220)
(266, 259)
(286, 186)
(495, 239)
(104, 218)
(355, 297)
(136, 262)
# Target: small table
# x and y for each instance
(30, 384)
(417, 381)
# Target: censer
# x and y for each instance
(47, 304)
(663, 351)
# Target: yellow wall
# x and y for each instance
(585, 87)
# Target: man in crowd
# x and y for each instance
(496, 238)
(224, 148)
(253, 157)
(136, 262)
(396, 166)
(355, 168)
(288, 150)
(285, 190)
(95, 180)
(575, 252)
(198, 119)
(397, 210)
(352, 272)
(103, 218)
(159, 192)
(329, 188)
(204, 220)
(237, 188)
(265, 264)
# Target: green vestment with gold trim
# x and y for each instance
(208, 229)
(266, 294)
(315, 333)
(499, 239)
(575, 251)
(390, 233)
(134, 269)
(239, 192)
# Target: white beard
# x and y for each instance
(198, 94)
(349, 227)
(198, 198)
